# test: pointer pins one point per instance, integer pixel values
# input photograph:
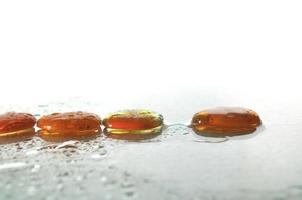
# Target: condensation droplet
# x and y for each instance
(96, 156)
(104, 179)
(31, 191)
(42, 106)
(68, 144)
(127, 184)
(129, 193)
(32, 152)
(211, 140)
(60, 187)
(35, 168)
(79, 178)
(15, 165)
(103, 152)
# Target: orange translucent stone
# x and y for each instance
(69, 125)
(224, 121)
(16, 127)
(133, 124)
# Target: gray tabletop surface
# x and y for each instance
(176, 165)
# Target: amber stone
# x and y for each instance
(225, 121)
(133, 124)
(16, 127)
(70, 125)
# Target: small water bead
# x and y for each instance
(16, 127)
(16, 165)
(68, 144)
(225, 121)
(133, 124)
(69, 126)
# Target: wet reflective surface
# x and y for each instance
(178, 164)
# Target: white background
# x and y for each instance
(156, 52)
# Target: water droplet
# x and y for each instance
(60, 187)
(96, 156)
(104, 179)
(51, 146)
(68, 144)
(15, 165)
(129, 193)
(31, 191)
(42, 106)
(36, 168)
(32, 152)
(79, 178)
(111, 167)
(127, 184)
(103, 152)
(8, 186)
(211, 139)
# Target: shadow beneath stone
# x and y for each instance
(215, 138)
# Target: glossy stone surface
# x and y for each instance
(223, 121)
(133, 124)
(16, 127)
(12, 121)
(69, 125)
